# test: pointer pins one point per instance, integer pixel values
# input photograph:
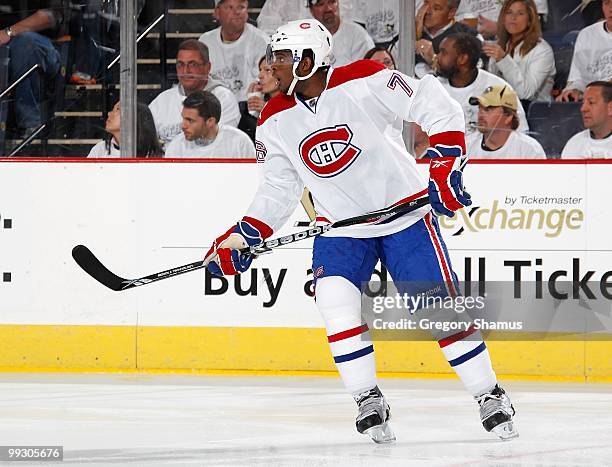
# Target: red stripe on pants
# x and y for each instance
(348, 333)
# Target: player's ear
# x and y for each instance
(305, 66)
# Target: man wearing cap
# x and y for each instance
(235, 47)
(351, 41)
(497, 121)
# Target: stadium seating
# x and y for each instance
(553, 124)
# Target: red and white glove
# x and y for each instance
(224, 258)
(446, 191)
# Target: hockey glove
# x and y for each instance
(223, 257)
(446, 191)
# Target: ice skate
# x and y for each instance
(374, 415)
(496, 412)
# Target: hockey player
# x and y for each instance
(333, 130)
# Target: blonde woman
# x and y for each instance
(521, 56)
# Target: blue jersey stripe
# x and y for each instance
(353, 355)
(465, 357)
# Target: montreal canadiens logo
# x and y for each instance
(305, 25)
(329, 151)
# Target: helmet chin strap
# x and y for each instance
(297, 78)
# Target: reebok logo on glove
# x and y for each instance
(446, 191)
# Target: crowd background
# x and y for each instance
(533, 76)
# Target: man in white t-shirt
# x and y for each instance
(351, 41)
(592, 60)
(275, 13)
(235, 47)
(458, 72)
(596, 140)
(192, 68)
(497, 121)
(203, 137)
(380, 18)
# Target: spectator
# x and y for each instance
(203, 137)
(497, 121)
(381, 55)
(30, 43)
(596, 140)
(521, 56)
(260, 92)
(381, 19)
(351, 41)
(435, 20)
(275, 13)
(192, 68)
(458, 72)
(484, 14)
(235, 47)
(266, 84)
(592, 60)
(147, 142)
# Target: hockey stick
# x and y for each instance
(372, 217)
(92, 265)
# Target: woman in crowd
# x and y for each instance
(258, 93)
(147, 142)
(381, 55)
(520, 55)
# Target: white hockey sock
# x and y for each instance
(467, 353)
(339, 303)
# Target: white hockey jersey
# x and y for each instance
(347, 149)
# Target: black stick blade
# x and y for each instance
(92, 266)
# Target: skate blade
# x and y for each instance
(506, 431)
(381, 434)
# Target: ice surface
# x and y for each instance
(220, 420)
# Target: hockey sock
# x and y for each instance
(339, 303)
(467, 353)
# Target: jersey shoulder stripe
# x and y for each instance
(341, 75)
(355, 70)
(275, 105)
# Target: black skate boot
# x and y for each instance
(496, 412)
(374, 415)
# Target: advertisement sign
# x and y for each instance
(528, 223)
